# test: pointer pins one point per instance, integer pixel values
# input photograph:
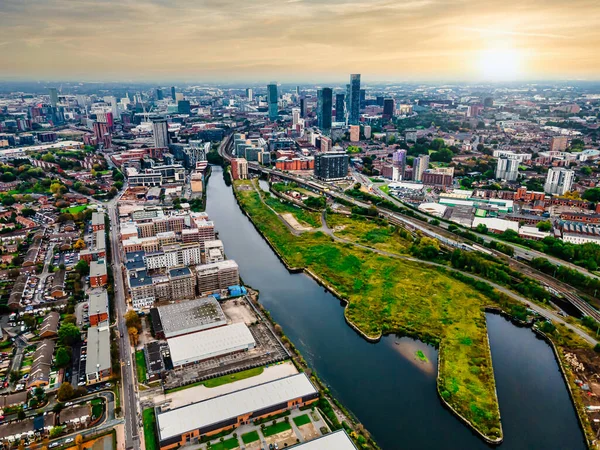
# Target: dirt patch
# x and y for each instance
(238, 311)
(309, 432)
(585, 364)
(285, 439)
(291, 220)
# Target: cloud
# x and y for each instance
(294, 39)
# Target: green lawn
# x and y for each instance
(74, 209)
(387, 295)
(225, 379)
(385, 189)
(302, 420)
(248, 438)
(140, 362)
(97, 407)
(309, 218)
(226, 445)
(149, 420)
(279, 427)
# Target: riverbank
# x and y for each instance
(385, 296)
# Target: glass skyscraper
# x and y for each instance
(354, 99)
(272, 98)
(324, 105)
(339, 107)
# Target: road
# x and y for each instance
(129, 382)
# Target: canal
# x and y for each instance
(391, 394)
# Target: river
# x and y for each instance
(393, 395)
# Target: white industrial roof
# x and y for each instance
(496, 224)
(198, 346)
(198, 415)
(338, 440)
(191, 316)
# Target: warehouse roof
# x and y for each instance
(190, 316)
(98, 348)
(218, 409)
(338, 440)
(210, 343)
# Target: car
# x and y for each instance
(81, 383)
(128, 363)
(108, 385)
(69, 404)
(69, 440)
(54, 444)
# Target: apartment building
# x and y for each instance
(183, 283)
(216, 276)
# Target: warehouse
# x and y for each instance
(338, 440)
(195, 347)
(186, 424)
(191, 316)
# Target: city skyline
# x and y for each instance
(235, 41)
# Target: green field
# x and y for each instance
(302, 420)
(74, 209)
(225, 379)
(149, 420)
(308, 218)
(279, 427)
(248, 438)
(97, 407)
(228, 444)
(140, 362)
(388, 295)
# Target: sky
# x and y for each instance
(299, 40)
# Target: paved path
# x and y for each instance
(539, 309)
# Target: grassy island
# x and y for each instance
(386, 295)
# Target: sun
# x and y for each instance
(500, 64)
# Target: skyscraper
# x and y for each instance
(388, 108)
(399, 162)
(160, 128)
(354, 99)
(249, 94)
(507, 169)
(363, 97)
(53, 97)
(558, 181)
(184, 107)
(302, 107)
(272, 98)
(339, 107)
(159, 94)
(173, 96)
(331, 166)
(324, 104)
(420, 164)
(295, 116)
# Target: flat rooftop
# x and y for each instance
(98, 301)
(230, 406)
(190, 348)
(338, 440)
(98, 348)
(191, 316)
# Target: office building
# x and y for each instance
(160, 129)
(239, 169)
(184, 107)
(326, 144)
(380, 100)
(272, 99)
(331, 166)
(558, 181)
(302, 107)
(159, 94)
(180, 426)
(363, 97)
(324, 106)
(249, 94)
(339, 107)
(173, 94)
(420, 164)
(354, 133)
(354, 109)
(388, 108)
(507, 168)
(52, 92)
(295, 116)
(367, 131)
(558, 143)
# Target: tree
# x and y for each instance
(544, 225)
(68, 334)
(55, 188)
(62, 358)
(132, 320)
(79, 441)
(586, 170)
(21, 414)
(592, 195)
(82, 268)
(79, 245)
(133, 335)
(442, 155)
(65, 392)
